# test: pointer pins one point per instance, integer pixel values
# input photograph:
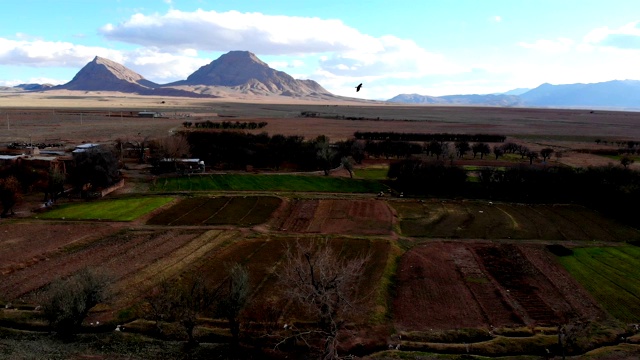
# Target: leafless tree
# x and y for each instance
(626, 161)
(347, 165)
(233, 299)
(326, 285)
(324, 153)
(192, 298)
(546, 153)
(9, 194)
(66, 302)
(159, 303)
(173, 147)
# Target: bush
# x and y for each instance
(67, 301)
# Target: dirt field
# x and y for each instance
(107, 116)
(238, 210)
(328, 216)
(483, 284)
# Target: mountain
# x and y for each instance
(611, 94)
(33, 87)
(518, 91)
(488, 100)
(105, 75)
(616, 93)
(416, 99)
(243, 72)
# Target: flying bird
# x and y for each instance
(358, 87)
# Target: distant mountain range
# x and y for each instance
(240, 74)
(233, 74)
(620, 94)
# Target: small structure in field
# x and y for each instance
(181, 166)
(148, 114)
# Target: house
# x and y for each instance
(84, 147)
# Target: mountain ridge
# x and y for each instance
(609, 94)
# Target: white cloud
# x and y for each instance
(557, 45)
(394, 58)
(40, 53)
(624, 37)
(152, 63)
(286, 65)
(163, 67)
(233, 30)
(33, 80)
(497, 18)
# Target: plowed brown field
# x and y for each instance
(443, 285)
(329, 216)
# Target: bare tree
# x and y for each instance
(9, 194)
(234, 299)
(326, 285)
(546, 153)
(192, 298)
(462, 147)
(532, 155)
(626, 161)
(66, 302)
(482, 148)
(346, 163)
(159, 303)
(173, 147)
(324, 153)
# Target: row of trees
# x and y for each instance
(235, 150)
(314, 278)
(611, 189)
(440, 137)
(251, 125)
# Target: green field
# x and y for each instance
(484, 220)
(611, 275)
(253, 182)
(116, 210)
(372, 173)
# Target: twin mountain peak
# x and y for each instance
(239, 72)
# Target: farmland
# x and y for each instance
(484, 220)
(115, 210)
(611, 275)
(243, 182)
(236, 210)
(438, 268)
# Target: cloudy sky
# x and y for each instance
(429, 47)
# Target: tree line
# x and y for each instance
(251, 125)
(396, 136)
(610, 189)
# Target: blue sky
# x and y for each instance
(429, 47)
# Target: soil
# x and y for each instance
(332, 216)
(442, 285)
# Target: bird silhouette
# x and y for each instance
(358, 87)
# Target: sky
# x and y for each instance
(427, 47)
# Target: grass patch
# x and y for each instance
(115, 210)
(611, 275)
(260, 182)
(372, 173)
